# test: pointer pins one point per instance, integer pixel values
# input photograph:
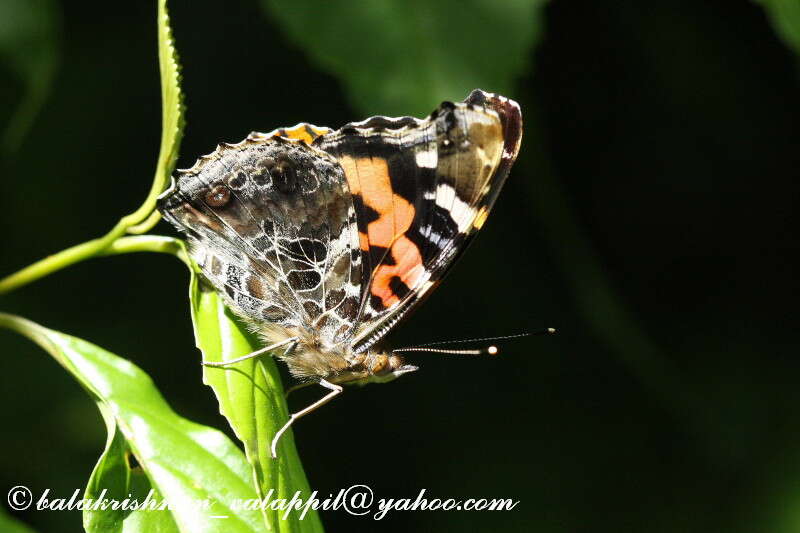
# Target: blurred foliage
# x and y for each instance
(29, 32)
(459, 45)
(785, 16)
(11, 525)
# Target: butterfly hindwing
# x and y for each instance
(272, 226)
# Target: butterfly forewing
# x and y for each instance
(421, 188)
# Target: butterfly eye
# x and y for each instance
(381, 365)
(218, 196)
(395, 362)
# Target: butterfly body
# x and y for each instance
(323, 240)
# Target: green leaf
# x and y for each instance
(149, 446)
(115, 475)
(400, 57)
(172, 106)
(28, 35)
(9, 524)
(172, 121)
(251, 397)
(785, 17)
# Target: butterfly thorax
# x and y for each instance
(310, 360)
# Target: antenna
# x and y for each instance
(489, 350)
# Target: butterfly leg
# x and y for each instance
(252, 354)
(297, 387)
(335, 390)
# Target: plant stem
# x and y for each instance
(62, 259)
(110, 244)
(150, 243)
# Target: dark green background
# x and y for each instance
(650, 218)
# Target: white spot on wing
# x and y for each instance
(460, 211)
(426, 159)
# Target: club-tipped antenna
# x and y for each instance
(489, 350)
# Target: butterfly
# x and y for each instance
(323, 240)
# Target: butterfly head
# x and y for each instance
(373, 367)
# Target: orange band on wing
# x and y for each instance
(369, 178)
(408, 269)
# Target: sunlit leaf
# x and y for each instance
(401, 57)
(114, 477)
(251, 397)
(28, 35)
(149, 446)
